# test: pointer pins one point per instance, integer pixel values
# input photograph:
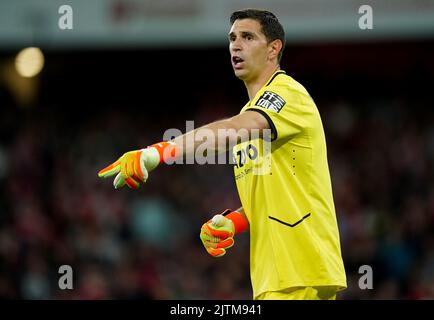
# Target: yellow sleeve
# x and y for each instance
(285, 110)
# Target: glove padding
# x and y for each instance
(217, 235)
(132, 168)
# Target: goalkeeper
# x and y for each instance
(289, 211)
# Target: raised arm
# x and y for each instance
(133, 167)
(236, 128)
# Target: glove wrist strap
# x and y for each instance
(167, 150)
(240, 222)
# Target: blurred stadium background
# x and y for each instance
(130, 69)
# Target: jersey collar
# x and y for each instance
(274, 75)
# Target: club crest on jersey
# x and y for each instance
(271, 101)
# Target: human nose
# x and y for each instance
(235, 45)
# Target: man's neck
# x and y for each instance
(254, 85)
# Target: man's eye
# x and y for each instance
(249, 38)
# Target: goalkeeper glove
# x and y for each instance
(217, 234)
(133, 167)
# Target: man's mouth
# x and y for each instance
(237, 62)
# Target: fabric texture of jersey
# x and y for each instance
(285, 189)
(303, 293)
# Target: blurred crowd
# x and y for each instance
(381, 157)
(144, 244)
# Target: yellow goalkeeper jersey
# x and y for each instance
(285, 189)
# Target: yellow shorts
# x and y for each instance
(301, 293)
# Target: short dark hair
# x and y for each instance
(270, 25)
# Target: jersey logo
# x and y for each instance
(271, 101)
